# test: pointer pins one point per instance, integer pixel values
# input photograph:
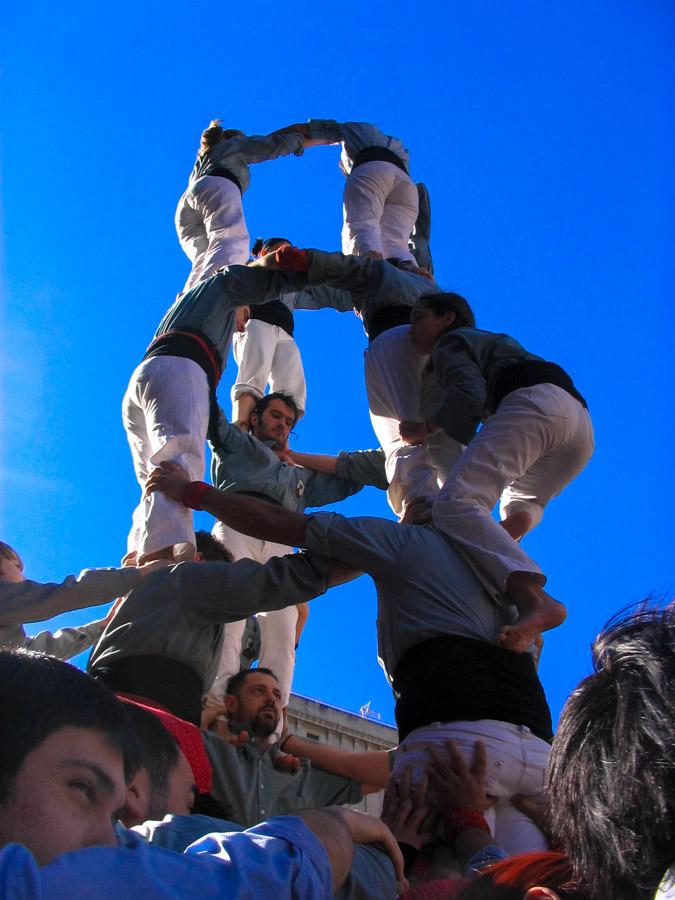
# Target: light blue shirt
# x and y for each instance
(425, 588)
(280, 859)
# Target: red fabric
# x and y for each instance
(291, 259)
(462, 819)
(188, 737)
(193, 493)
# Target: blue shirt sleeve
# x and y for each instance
(280, 859)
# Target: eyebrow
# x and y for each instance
(104, 782)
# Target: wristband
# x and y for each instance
(193, 493)
(462, 819)
(284, 741)
(291, 259)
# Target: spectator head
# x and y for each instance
(68, 750)
(11, 565)
(434, 314)
(263, 247)
(612, 774)
(253, 698)
(210, 549)
(163, 783)
(273, 418)
(214, 134)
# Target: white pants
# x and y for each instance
(380, 210)
(393, 379)
(211, 227)
(277, 628)
(165, 412)
(535, 444)
(517, 764)
(266, 353)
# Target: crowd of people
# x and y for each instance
(167, 767)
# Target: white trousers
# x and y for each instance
(393, 371)
(517, 764)
(535, 444)
(266, 353)
(380, 207)
(277, 628)
(211, 227)
(165, 412)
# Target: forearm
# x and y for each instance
(260, 519)
(317, 462)
(329, 828)
(33, 602)
(370, 768)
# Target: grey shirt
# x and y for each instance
(241, 462)
(179, 612)
(64, 643)
(370, 284)
(252, 789)
(425, 588)
(236, 154)
(467, 363)
(354, 137)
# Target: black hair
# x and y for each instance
(612, 770)
(235, 684)
(211, 548)
(40, 695)
(266, 399)
(267, 244)
(442, 303)
(158, 755)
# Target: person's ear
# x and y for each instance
(135, 800)
(253, 421)
(231, 705)
(449, 318)
(541, 893)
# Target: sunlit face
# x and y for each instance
(11, 570)
(274, 424)
(426, 327)
(258, 702)
(67, 794)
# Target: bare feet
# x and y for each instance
(518, 524)
(537, 612)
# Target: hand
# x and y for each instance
(265, 262)
(456, 785)
(406, 812)
(214, 719)
(417, 512)
(285, 455)
(366, 829)
(154, 564)
(168, 479)
(287, 762)
(241, 317)
(129, 559)
(299, 128)
(413, 432)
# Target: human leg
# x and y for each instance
(287, 373)
(365, 194)
(166, 415)
(253, 351)
(393, 371)
(399, 216)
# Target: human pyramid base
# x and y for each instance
(465, 419)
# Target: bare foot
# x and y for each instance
(518, 524)
(537, 612)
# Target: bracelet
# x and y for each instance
(462, 819)
(284, 741)
(193, 493)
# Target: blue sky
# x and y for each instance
(545, 135)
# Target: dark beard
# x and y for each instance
(263, 727)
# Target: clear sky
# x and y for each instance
(545, 134)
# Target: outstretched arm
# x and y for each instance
(370, 768)
(266, 521)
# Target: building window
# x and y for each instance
(312, 737)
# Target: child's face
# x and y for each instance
(11, 570)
